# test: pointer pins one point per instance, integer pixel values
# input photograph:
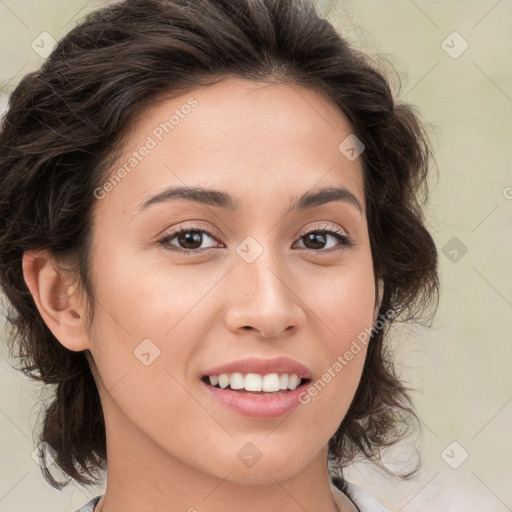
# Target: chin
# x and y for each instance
(266, 470)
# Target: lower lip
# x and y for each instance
(257, 406)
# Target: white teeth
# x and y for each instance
(294, 381)
(268, 383)
(236, 381)
(252, 382)
(223, 380)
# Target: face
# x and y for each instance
(251, 277)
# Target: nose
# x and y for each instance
(262, 298)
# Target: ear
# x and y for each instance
(55, 298)
(379, 293)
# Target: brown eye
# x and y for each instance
(188, 240)
(316, 240)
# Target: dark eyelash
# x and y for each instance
(345, 241)
(167, 237)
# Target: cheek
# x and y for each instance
(343, 314)
(143, 332)
(342, 304)
(144, 298)
(150, 321)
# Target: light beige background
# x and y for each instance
(459, 366)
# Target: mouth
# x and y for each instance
(256, 396)
(255, 384)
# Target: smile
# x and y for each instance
(249, 397)
(254, 382)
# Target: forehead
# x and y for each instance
(253, 139)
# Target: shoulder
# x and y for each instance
(363, 500)
(89, 506)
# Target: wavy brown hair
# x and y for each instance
(66, 124)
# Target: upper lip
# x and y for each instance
(263, 367)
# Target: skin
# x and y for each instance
(171, 446)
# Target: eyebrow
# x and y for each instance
(224, 200)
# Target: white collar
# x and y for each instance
(363, 499)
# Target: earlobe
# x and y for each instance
(55, 299)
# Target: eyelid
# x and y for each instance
(170, 234)
(210, 231)
(324, 227)
(213, 231)
(345, 241)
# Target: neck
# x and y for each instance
(147, 478)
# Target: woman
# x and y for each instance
(210, 219)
